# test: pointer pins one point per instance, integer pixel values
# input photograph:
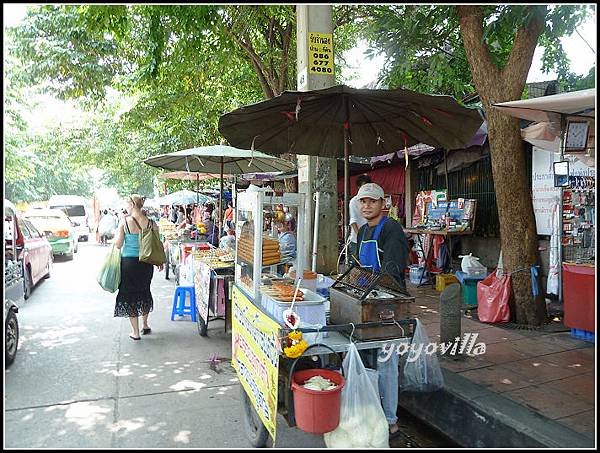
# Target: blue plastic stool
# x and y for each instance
(179, 306)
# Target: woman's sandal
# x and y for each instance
(135, 338)
(146, 331)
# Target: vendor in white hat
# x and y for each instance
(382, 244)
(382, 247)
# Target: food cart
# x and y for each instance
(178, 247)
(213, 278)
(264, 313)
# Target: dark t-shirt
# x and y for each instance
(392, 245)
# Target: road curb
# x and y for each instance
(473, 416)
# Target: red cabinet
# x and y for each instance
(578, 295)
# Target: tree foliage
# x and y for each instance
(425, 51)
(184, 65)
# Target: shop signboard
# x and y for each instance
(544, 194)
(255, 357)
(202, 288)
(320, 53)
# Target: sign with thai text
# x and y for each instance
(255, 357)
(202, 287)
(320, 53)
(544, 194)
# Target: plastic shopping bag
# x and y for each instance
(493, 294)
(109, 276)
(470, 264)
(362, 420)
(422, 371)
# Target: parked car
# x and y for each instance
(13, 281)
(38, 256)
(74, 207)
(57, 227)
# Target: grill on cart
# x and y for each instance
(360, 296)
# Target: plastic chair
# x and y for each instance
(179, 306)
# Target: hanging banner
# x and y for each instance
(320, 53)
(543, 192)
(255, 357)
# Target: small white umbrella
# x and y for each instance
(221, 159)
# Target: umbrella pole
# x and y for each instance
(221, 202)
(446, 164)
(197, 189)
(346, 192)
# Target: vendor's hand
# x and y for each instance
(160, 267)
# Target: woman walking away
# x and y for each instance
(134, 298)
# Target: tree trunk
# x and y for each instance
(518, 235)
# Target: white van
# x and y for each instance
(76, 208)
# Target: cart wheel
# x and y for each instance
(202, 326)
(256, 432)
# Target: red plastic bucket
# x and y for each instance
(316, 411)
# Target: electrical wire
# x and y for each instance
(591, 48)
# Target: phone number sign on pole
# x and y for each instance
(320, 53)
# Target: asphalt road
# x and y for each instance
(79, 381)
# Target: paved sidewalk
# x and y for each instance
(546, 372)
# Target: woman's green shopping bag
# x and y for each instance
(109, 276)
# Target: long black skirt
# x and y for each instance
(134, 297)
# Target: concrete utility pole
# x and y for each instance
(317, 173)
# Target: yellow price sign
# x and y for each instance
(320, 53)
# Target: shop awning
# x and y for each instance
(550, 108)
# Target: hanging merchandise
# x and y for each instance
(362, 420)
(422, 371)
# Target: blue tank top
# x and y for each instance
(131, 246)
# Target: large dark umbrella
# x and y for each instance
(340, 121)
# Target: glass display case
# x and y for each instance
(270, 237)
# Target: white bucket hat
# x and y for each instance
(371, 190)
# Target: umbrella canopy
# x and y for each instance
(219, 159)
(188, 175)
(183, 197)
(550, 108)
(378, 122)
(341, 121)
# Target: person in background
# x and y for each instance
(229, 213)
(228, 242)
(107, 226)
(356, 219)
(208, 212)
(212, 232)
(173, 214)
(382, 247)
(286, 236)
(134, 298)
(180, 216)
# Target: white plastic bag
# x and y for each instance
(422, 372)
(362, 421)
(186, 272)
(470, 264)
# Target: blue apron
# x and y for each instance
(368, 254)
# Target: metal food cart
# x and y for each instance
(177, 250)
(213, 277)
(258, 357)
